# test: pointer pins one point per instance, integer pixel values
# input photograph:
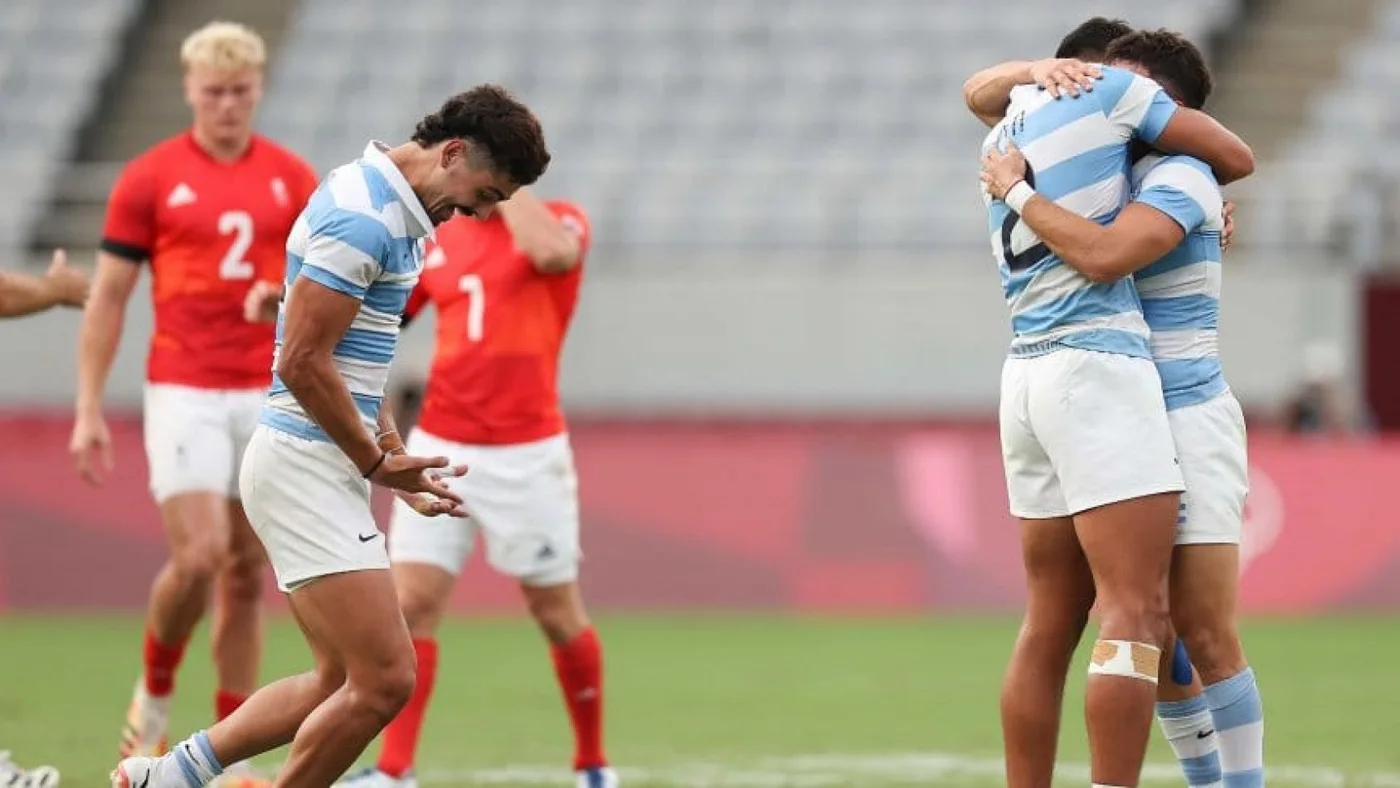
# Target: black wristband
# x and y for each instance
(383, 455)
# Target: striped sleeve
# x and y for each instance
(345, 250)
(1184, 189)
(1136, 107)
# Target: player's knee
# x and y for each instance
(1214, 648)
(1140, 618)
(241, 581)
(384, 691)
(198, 562)
(560, 615)
(421, 612)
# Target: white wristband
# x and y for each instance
(1019, 195)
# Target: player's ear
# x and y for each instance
(453, 151)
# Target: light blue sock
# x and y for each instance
(1239, 721)
(1190, 730)
(196, 761)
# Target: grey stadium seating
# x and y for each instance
(53, 55)
(683, 125)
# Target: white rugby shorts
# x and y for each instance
(1082, 429)
(195, 438)
(310, 507)
(1210, 440)
(522, 499)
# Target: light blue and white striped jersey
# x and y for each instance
(360, 234)
(1181, 292)
(1076, 151)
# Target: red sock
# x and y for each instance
(579, 666)
(161, 663)
(401, 736)
(225, 703)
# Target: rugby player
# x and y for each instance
(324, 438)
(1169, 239)
(1090, 463)
(209, 209)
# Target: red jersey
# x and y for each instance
(500, 327)
(210, 229)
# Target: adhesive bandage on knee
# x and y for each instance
(1125, 658)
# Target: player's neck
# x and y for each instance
(226, 150)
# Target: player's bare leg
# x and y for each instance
(1205, 581)
(578, 664)
(197, 530)
(1060, 594)
(268, 720)
(364, 674)
(1129, 549)
(423, 590)
(237, 631)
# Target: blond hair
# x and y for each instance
(225, 46)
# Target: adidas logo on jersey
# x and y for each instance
(180, 195)
(435, 258)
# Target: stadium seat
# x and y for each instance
(53, 55)
(686, 125)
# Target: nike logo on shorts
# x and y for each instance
(1205, 734)
(369, 538)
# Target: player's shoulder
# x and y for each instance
(167, 153)
(1116, 83)
(1180, 170)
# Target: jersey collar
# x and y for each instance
(375, 156)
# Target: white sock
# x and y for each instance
(1190, 729)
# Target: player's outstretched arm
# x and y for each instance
(1195, 133)
(988, 92)
(539, 234)
(25, 294)
(1138, 236)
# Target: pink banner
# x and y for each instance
(833, 517)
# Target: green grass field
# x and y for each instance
(728, 701)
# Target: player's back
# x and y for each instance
(209, 228)
(1076, 151)
(1181, 292)
(501, 326)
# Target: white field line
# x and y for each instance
(823, 771)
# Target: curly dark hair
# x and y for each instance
(502, 129)
(1090, 40)
(1174, 62)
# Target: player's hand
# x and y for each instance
(260, 305)
(1001, 171)
(69, 283)
(1065, 76)
(418, 475)
(91, 447)
(1229, 231)
(428, 506)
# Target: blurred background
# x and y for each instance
(782, 378)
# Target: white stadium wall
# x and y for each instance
(837, 340)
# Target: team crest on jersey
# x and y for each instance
(279, 192)
(572, 224)
(182, 194)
